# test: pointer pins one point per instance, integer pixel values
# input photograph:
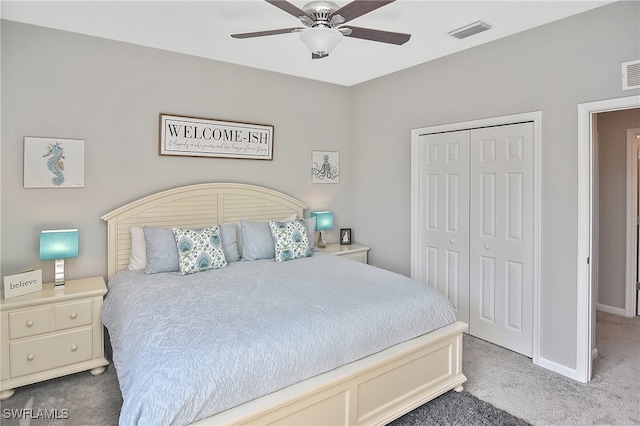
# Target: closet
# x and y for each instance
(472, 226)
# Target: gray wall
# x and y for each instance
(110, 94)
(552, 69)
(65, 85)
(612, 164)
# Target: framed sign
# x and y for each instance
(53, 163)
(22, 283)
(202, 137)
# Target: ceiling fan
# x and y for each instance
(323, 24)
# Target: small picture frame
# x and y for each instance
(345, 236)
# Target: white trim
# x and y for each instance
(584, 305)
(632, 220)
(536, 117)
(610, 309)
(558, 368)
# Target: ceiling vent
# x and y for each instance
(631, 75)
(469, 30)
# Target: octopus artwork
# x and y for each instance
(325, 170)
(55, 163)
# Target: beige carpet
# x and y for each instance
(513, 383)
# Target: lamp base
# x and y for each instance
(59, 273)
(320, 242)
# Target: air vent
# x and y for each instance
(469, 30)
(631, 75)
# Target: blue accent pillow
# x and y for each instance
(162, 253)
(257, 242)
(290, 240)
(310, 224)
(229, 233)
(199, 249)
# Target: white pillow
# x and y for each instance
(138, 255)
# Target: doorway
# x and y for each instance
(615, 169)
(587, 288)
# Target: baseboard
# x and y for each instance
(594, 353)
(571, 373)
(611, 310)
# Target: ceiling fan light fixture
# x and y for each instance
(321, 40)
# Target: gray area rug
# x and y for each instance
(82, 399)
(458, 408)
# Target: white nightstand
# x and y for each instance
(51, 333)
(352, 251)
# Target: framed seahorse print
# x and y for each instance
(53, 163)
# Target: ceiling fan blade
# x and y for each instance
(316, 56)
(288, 7)
(377, 35)
(267, 33)
(359, 7)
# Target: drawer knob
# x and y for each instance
(74, 348)
(29, 323)
(30, 357)
(74, 315)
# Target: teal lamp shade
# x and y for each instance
(59, 244)
(324, 222)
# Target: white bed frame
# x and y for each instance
(371, 391)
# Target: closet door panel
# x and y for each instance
(444, 220)
(501, 237)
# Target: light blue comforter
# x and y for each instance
(187, 347)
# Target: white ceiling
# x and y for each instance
(203, 28)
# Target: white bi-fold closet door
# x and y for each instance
(475, 228)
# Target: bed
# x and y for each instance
(221, 346)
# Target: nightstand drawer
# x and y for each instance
(358, 257)
(352, 251)
(45, 353)
(30, 322)
(71, 315)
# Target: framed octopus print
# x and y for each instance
(325, 167)
(53, 163)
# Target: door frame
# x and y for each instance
(586, 299)
(536, 118)
(632, 221)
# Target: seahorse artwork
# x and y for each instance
(325, 170)
(56, 162)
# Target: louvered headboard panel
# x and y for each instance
(193, 206)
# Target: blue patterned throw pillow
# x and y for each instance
(290, 239)
(199, 249)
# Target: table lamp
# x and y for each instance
(324, 222)
(59, 244)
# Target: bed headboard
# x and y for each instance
(193, 206)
